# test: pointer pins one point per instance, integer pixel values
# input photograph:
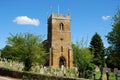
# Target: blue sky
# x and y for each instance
(87, 17)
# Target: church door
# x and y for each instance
(62, 62)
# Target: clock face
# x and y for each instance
(53, 21)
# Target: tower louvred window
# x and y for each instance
(61, 48)
(61, 26)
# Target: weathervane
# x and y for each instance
(58, 7)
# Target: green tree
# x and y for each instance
(97, 47)
(0, 53)
(83, 60)
(46, 48)
(7, 52)
(28, 49)
(113, 38)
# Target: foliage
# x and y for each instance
(83, 60)
(45, 45)
(46, 48)
(25, 78)
(113, 38)
(97, 48)
(0, 53)
(8, 53)
(27, 48)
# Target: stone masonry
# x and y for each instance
(59, 41)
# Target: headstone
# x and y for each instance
(0, 53)
(76, 69)
(78, 74)
(107, 74)
(22, 67)
(41, 66)
(62, 67)
(60, 73)
(42, 71)
(37, 68)
(0, 63)
(106, 70)
(45, 68)
(115, 70)
(97, 69)
(71, 74)
(10, 63)
(5, 60)
(55, 73)
(116, 73)
(64, 71)
(101, 70)
(104, 77)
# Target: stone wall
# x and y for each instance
(30, 76)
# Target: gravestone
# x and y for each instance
(106, 70)
(64, 72)
(115, 70)
(116, 73)
(55, 73)
(76, 69)
(42, 71)
(62, 67)
(0, 53)
(60, 73)
(45, 69)
(1, 63)
(10, 63)
(5, 60)
(97, 69)
(76, 72)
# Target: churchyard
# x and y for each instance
(39, 69)
(18, 66)
(107, 74)
(111, 76)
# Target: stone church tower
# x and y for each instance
(59, 41)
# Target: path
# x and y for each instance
(7, 78)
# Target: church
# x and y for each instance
(59, 41)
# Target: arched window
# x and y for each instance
(62, 62)
(61, 26)
(61, 48)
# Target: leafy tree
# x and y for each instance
(0, 54)
(113, 38)
(28, 49)
(6, 52)
(83, 60)
(97, 47)
(46, 48)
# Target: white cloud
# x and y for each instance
(24, 20)
(105, 17)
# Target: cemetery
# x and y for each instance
(8, 65)
(17, 69)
